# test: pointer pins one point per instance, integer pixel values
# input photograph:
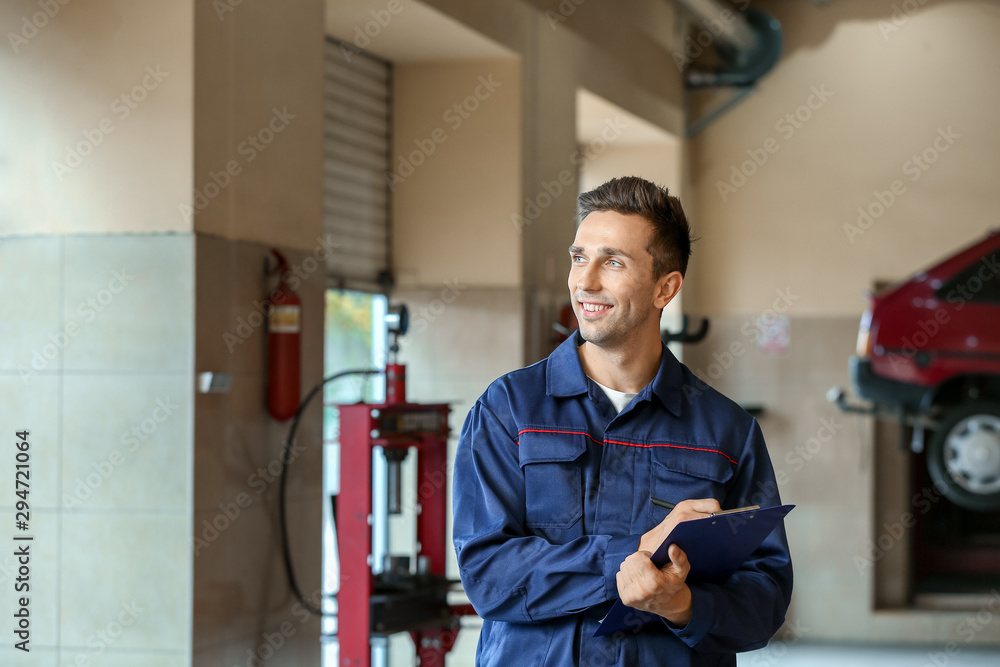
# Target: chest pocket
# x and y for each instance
(553, 478)
(682, 474)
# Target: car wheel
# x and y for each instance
(963, 456)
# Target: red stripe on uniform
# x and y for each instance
(697, 449)
(627, 444)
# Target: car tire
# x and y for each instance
(963, 456)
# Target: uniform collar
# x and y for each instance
(564, 375)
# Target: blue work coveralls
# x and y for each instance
(551, 494)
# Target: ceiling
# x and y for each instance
(594, 113)
(415, 33)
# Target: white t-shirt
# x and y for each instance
(618, 398)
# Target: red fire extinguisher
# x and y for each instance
(284, 331)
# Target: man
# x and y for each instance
(556, 464)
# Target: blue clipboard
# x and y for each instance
(716, 547)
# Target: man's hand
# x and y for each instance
(684, 511)
(662, 591)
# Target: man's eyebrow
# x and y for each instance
(614, 251)
(603, 250)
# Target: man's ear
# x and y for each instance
(667, 288)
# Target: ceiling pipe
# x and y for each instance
(736, 34)
(748, 44)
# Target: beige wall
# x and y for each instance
(258, 131)
(607, 49)
(778, 244)
(99, 113)
(658, 163)
(456, 173)
(891, 91)
(259, 75)
(121, 316)
(241, 594)
(96, 270)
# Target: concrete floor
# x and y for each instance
(812, 655)
(839, 655)
(779, 654)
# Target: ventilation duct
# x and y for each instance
(748, 44)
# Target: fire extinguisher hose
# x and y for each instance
(285, 547)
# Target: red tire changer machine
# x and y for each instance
(377, 602)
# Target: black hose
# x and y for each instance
(285, 548)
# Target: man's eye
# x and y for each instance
(616, 263)
(577, 258)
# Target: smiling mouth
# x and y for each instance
(591, 309)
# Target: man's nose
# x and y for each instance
(587, 278)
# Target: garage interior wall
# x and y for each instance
(141, 203)
(457, 255)
(135, 218)
(259, 119)
(480, 229)
(96, 331)
(563, 48)
(790, 239)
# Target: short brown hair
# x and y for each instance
(670, 244)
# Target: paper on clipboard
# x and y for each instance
(716, 547)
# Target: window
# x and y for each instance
(354, 337)
(356, 158)
(976, 283)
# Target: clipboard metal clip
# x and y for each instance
(734, 511)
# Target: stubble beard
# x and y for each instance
(613, 335)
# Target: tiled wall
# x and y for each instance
(825, 463)
(96, 350)
(242, 603)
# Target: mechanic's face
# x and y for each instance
(611, 278)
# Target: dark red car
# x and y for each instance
(929, 354)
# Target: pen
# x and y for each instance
(662, 503)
